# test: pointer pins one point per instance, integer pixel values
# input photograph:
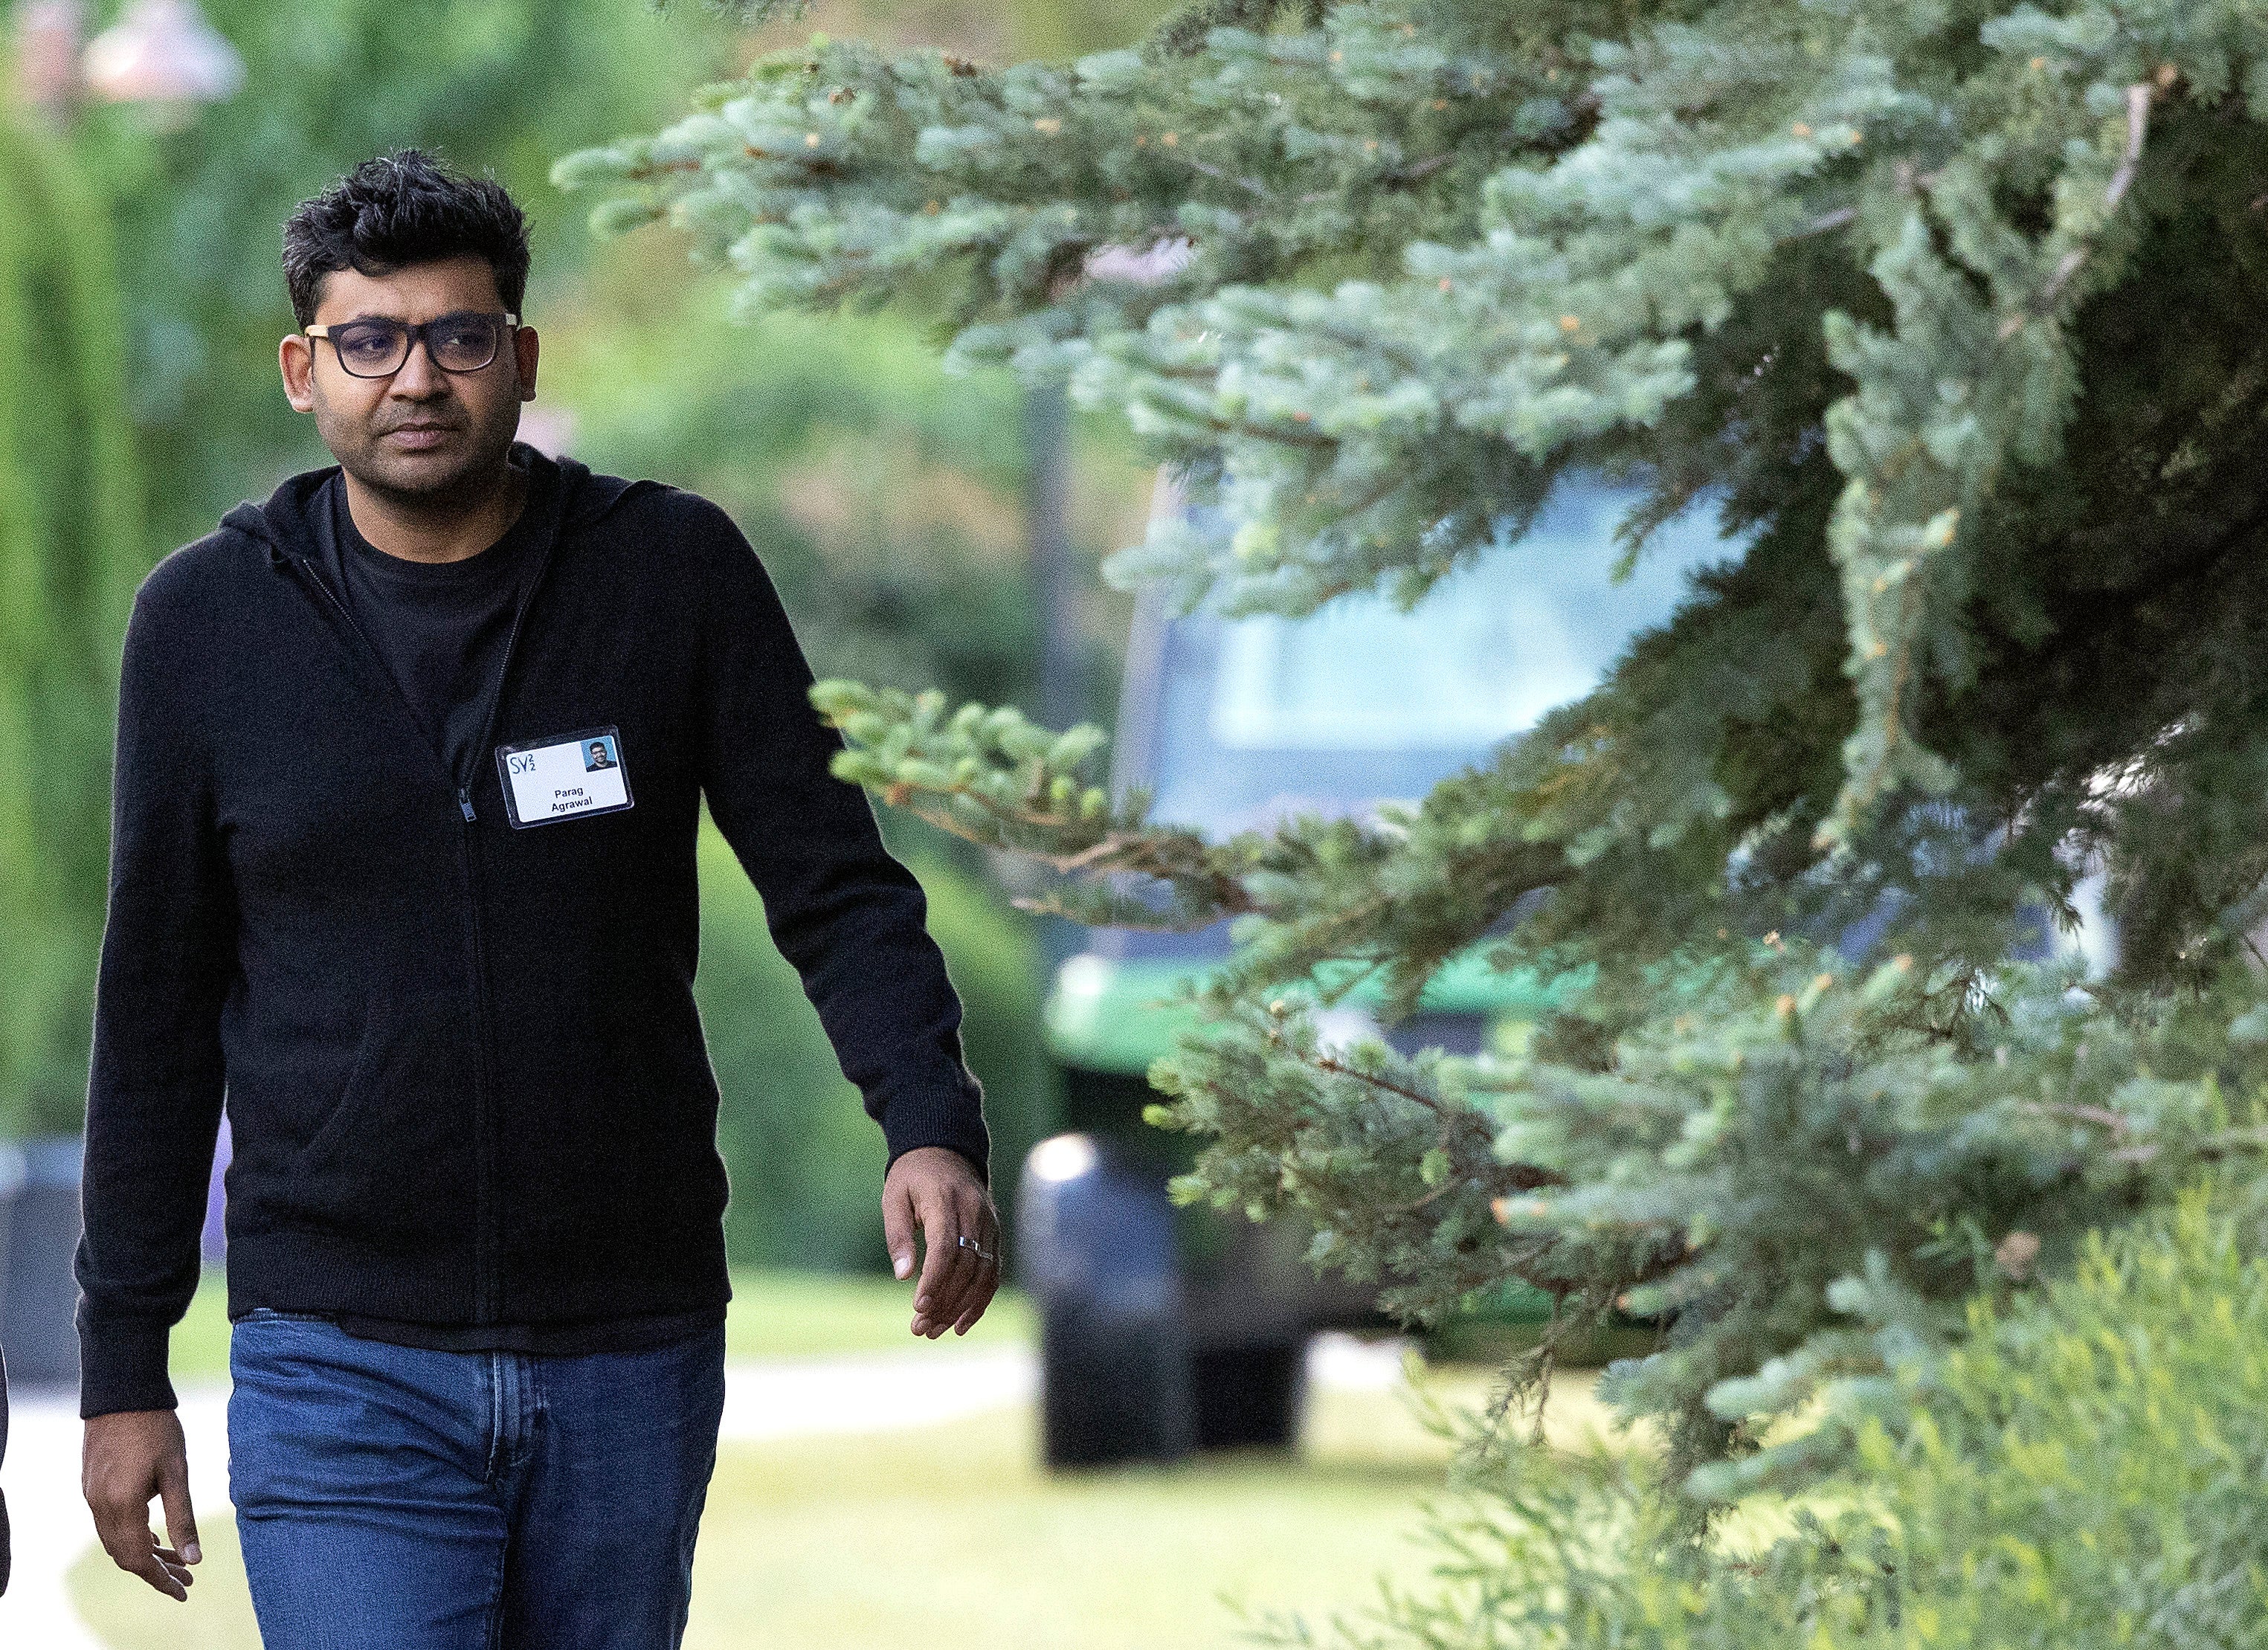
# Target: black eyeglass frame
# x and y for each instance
(414, 334)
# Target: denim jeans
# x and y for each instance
(389, 1497)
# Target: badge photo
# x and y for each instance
(563, 776)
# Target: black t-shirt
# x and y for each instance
(440, 626)
(441, 629)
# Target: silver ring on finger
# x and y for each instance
(967, 1242)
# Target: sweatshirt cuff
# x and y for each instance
(950, 1116)
(123, 1365)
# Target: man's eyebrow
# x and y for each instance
(401, 321)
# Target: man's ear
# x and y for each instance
(526, 347)
(296, 357)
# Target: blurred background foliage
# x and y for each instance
(70, 540)
(140, 305)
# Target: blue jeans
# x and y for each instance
(389, 1497)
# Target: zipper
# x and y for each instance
(377, 661)
(485, 1240)
(504, 669)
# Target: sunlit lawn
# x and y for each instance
(953, 1538)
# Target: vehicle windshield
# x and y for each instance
(1260, 717)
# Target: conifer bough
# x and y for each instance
(1952, 311)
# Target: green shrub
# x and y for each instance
(2087, 1469)
(2084, 1471)
(804, 1161)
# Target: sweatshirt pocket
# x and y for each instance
(327, 1133)
(395, 1148)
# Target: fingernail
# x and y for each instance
(904, 1263)
(194, 1553)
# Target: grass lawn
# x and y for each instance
(952, 1538)
(773, 1315)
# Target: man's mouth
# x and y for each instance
(417, 434)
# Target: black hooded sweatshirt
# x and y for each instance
(451, 1015)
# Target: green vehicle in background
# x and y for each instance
(1164, 1329)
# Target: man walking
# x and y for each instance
(367, 878)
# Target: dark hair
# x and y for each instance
(403, 208)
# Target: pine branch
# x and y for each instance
(2138, 123)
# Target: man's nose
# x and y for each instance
(418, 378)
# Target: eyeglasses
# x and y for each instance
(375, 347)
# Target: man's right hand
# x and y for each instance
(132, 1457)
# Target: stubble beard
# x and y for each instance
(417, 484)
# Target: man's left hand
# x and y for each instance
(936, 1190)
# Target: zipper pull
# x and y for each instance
(465, 801)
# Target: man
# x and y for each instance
(360, 879)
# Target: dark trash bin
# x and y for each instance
(1097, 1253)
(37, 1311)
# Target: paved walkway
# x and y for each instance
(871, 1394)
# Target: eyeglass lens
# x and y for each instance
(376, 347)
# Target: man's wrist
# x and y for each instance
(981, 1172)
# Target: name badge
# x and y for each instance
(566, 775)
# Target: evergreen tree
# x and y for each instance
(69, 558)
(1949, 310)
